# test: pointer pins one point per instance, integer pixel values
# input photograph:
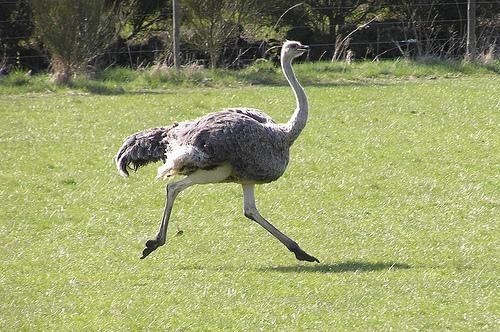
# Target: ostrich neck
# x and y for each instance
(299, 118)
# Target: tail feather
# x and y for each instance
(142, 148)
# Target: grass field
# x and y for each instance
(393, 185)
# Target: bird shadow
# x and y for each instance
(350, 266)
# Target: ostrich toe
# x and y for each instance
(301, 255)
(151, 245)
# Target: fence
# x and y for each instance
(378, 39)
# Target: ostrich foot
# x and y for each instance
(151, 245)
(301, 255)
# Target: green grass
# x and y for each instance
(116, 80)
(393, 185)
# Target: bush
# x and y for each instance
(74, 32)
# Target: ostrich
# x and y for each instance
(241, 145)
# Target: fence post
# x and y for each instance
(176, 41)
(471, 31)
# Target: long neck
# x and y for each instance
(299, 118)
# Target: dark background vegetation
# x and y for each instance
(224, 33)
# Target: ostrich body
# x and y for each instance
(240, 145)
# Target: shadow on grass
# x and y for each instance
(97, 88)
(355, 82)
(338, 267)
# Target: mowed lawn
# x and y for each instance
(393, 186)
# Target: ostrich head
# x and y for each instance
(292, 49)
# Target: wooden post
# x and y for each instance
(471, 30)
(176, 41)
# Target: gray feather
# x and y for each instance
(143, 148)
(249, 140)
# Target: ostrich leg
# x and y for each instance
(252, 213)
(173, 189)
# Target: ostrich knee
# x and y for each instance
(172, 190)
(250, 213)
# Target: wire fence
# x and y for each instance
(388, 37)
(145, 49)
(435, 23)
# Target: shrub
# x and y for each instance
(74, 32)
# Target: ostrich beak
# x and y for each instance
(303, 48)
